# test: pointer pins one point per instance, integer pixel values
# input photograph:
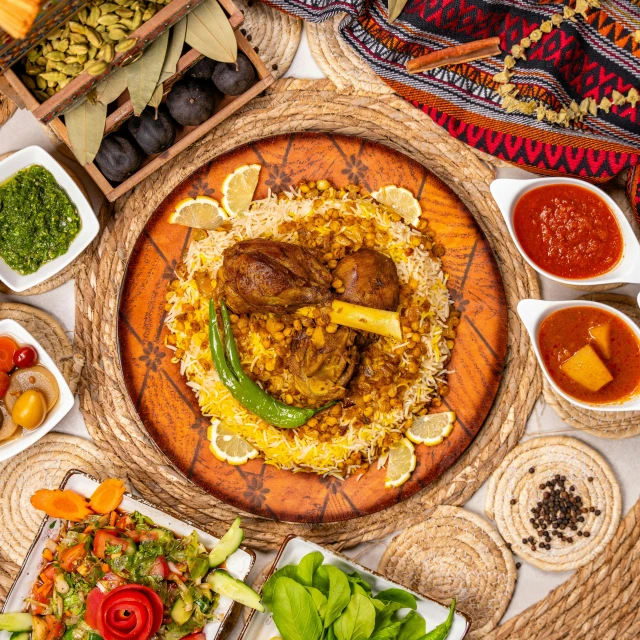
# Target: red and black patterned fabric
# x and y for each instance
(582, 58)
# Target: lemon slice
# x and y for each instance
(400, 464)
(228, 446)
(202, 213)
(238, 189)
(401, 201)
(431, 429)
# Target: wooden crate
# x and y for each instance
(82, 84)
(186, 135)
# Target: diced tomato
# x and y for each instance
(48, 573)
(7, 348)
(148, 535)
(71, 558)
(55, 628)
(94, 599)
(125, 522)
(104, 538)
(159, 568)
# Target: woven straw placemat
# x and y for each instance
(41, 466)
(455, 552)
(342, 65)
(50, 334)
(273, 34)
(514, 489)
(604, 424)
(298, 105)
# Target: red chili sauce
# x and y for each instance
(568, 231)
(565, 332)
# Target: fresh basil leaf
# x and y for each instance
(307, 567)
(405, 598)
(413, 627)
(331, 634)
(288, 571)
(338, 594)
(321, 580)
(390, 632)
(356, 588)
(319, 599)
(378, 604)
(357, 621)
(385, 616)
(294, 612)
(356, 578)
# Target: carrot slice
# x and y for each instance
(7, 348)
(108, 496)
(61, 504)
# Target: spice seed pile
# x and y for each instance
(560, 509)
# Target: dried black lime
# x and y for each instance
(153, 134)
(202, 70)
(117, 158)
(192, 101)
(234, 78)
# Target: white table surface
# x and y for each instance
(533, 584)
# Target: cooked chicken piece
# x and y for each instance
(369, 278)
(323, 364)
(270, 276)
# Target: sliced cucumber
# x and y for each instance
(227, 545)
(179, 612)
(16, 621)
(20, 635)
(226, 585)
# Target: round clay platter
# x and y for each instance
(168, 408)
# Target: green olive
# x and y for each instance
(30, 409)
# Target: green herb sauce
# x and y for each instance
(38, 220)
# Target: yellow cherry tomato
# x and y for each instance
(30, 409)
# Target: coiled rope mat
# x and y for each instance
(604, 424)
(298, 105)
(455, 551)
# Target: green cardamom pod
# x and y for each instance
(82, 58)
(34, 69)
(75, 27)
(93, 51)
(55, 56)
(53, 77)
(41, 95)
(108, 7)
(78, 49)
(78, 38)
(107, 52)
(92, 20)
(50, 91)
(125, 45)
(118, 34)
(57, 66)
(33, 55)
(110, 18)
(55, 34)
(63, 83)
(46, 48)
(96, 68)
(124, 13)
(74, 69)
(93, 37)
(42, 61)
(63, 45)
(148, 14)
(41, 83)
(28, 82)
(81, 16)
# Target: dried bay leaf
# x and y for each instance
(114, 86)
(395, 8)
(143, 74)
(176, 42)
(85, 127)
(209, 32)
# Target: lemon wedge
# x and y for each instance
(431, 429)
(238, 189)
(228, 446)
(202, 213)
(401, 201)
(400, 464)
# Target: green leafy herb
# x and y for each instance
(289, 571)
(85, 126)
(339, 594)
(357, 621)
(307, 568)
(143, 74)
(209, 31)
(294, 611)
(401, 596)
(413, 627)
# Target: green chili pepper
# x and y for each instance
(442, 630)
(241, 386)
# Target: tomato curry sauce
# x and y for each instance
(568, 231)
(597, 343)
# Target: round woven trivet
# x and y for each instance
(71, 270)
(513, 480)
(42, 466)
(51, 336)
(273, 34)
(604, 424)
(299, 105)
(455, 552)
(342, 65)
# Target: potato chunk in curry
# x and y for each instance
(586, 368)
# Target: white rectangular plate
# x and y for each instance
(90, 225)
(65, 401)
(260, 626)
(238, 564)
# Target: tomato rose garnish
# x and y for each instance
(129, 612)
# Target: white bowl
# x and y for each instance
(533, 312)
(260, 626)
(90, 225)
(65, 401)
(507, 192)
(239, 564)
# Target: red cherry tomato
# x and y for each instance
(4, 384)
(25, 357)
(7, 348)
